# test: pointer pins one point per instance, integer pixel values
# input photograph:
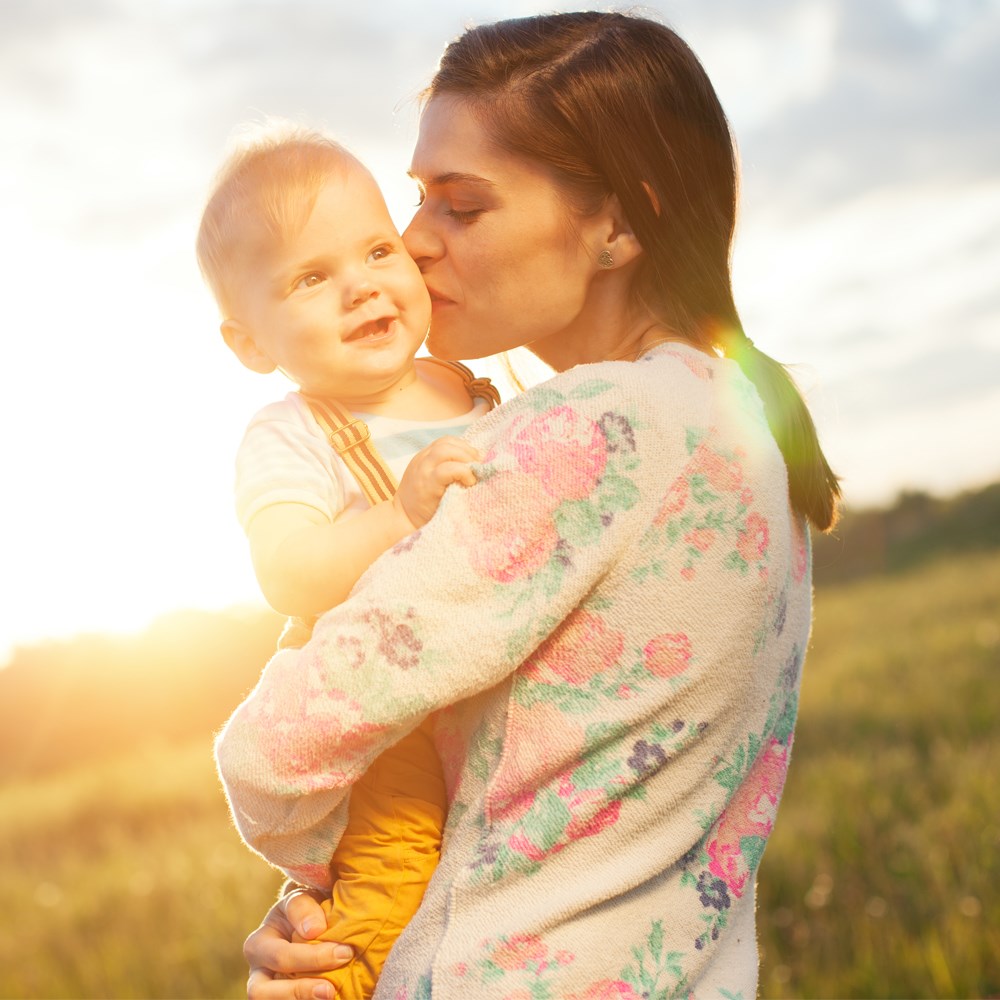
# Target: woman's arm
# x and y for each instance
(306, 563)
(501, 564)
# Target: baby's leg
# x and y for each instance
(385, 859)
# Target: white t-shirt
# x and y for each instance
(285, 457)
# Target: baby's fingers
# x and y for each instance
(455, 449)
(456, 472)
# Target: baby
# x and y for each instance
(312, 279)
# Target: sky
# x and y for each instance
(867, 256)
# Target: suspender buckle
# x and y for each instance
(350, 435)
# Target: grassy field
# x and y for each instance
(126, 880)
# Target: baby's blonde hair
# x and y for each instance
(270, 181)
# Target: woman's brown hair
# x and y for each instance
(616, 104)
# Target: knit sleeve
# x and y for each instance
(451, 611)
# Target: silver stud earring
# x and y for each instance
(605, 259)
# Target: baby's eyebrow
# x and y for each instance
(453, 177)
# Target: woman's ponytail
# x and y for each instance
(813, 489)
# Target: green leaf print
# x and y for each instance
(587, 390)
(543, 398)
(694, 437)
(578, 522)
(617, 493)
(655, 975)
(700, 491)
(546, 820)
(752, 849)
(735, 561)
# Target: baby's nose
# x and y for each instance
(361, 292)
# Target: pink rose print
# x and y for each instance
(567, 452)
(750, 813)
(303, 721)
(673, 502)
(722, 473)
(453, 749)
(607, 989)
(700, 538)
(727, 863)
(801, 555)
(581, 647)
(511, 533)
(751, 543)
(313, 874)
(518, 951)
(521, 844)
(667, 655)
(541, 742)
(606, 817)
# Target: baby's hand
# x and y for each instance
(443, 462)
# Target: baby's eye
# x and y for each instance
(310, 280)
(380, 252)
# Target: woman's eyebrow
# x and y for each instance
(454, 177)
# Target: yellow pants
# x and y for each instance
(385, 858)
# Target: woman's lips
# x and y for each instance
(437, 299)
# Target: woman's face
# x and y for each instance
(506, 263)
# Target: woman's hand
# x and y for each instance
(272, 955)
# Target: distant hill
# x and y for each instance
(918, 527)
(70, 701)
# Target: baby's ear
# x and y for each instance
(241, 342)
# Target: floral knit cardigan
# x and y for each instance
(610, 626)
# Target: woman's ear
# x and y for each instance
(618, 244)
(241, 342)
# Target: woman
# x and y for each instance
(611, 623)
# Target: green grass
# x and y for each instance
(126, 879)
(882, 878)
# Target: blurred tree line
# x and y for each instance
(72, 701)
(917, 528)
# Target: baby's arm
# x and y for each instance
(306, 564)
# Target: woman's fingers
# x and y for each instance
(269, 948)
(303, 913)
(262, 985)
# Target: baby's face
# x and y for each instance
(340, 307)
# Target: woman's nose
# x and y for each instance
(420, 240)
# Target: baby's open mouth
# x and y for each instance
(376, 328)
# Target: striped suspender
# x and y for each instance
(478, 388)
(351, 439)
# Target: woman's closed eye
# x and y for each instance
(465, 215)
(460, 215)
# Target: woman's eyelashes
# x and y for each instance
(465, 215)
(449, 208)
